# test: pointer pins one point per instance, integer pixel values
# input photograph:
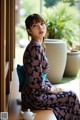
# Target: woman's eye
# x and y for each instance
(42, 23)
(33, 25)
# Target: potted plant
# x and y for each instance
(60, 32)
(73, 63)
(56, 51)
(62, 23)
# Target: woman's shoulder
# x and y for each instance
(34, 45)
(33, 48)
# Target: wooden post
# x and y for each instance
(2, 54)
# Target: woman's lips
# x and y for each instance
(41, 32)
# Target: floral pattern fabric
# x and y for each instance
(65, 105)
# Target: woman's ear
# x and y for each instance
(29, 32)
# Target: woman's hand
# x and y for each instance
(55, 90)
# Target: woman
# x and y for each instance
(38, 92)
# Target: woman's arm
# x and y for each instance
(55, 90)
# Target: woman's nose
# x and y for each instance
(40, 26)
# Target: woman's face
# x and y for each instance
(37, 30)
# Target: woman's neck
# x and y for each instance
(38, 40)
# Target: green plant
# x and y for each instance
(62, 23)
